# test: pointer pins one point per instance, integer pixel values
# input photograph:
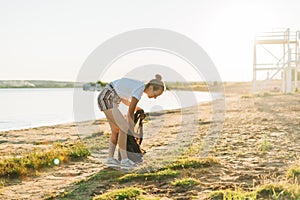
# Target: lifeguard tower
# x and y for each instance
(276, 57)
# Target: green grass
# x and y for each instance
(269, 191)
(279, 191)
(294, 173)
(125, 194)
(185, 163)
(117, 178)
(82, 189)
(167, 173)
(111, 175)
(232, 195)
(26, 163)
(74, 151)
(121, 194)
(185, 182)
(170, 170)
(265, 145)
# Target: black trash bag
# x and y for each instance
(134, 141)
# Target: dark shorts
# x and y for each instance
(108, 98)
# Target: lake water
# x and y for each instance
(24, 108)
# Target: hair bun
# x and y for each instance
(158, 77)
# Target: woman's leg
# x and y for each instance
(113, 138)
(116, 119)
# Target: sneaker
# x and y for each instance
(127, 164)
(111, 162)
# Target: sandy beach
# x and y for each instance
(258, 142)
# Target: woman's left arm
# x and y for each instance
(130, 115)
(132, 107)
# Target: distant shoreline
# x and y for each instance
(10, 84)
(6, 84)
(36, 87)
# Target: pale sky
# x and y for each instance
(50, 39)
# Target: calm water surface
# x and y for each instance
(24, 108)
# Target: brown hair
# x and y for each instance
(157, 83)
